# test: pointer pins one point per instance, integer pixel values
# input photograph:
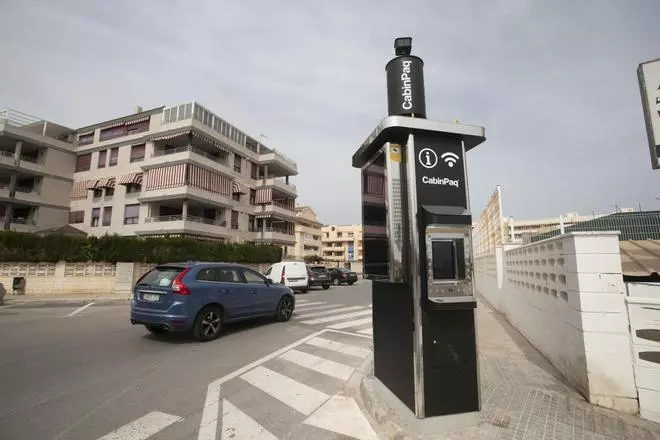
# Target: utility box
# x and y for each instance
(18, 286)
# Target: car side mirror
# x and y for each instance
(269, 281)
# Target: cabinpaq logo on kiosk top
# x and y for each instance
(406, 85)
(444, 181)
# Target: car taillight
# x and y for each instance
(344, 275)
(283, 276)
(177, 285)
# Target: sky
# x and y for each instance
(553, 83)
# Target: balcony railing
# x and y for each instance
(271, 229)
(30, 159)
(18, 119)
(26, 190)
(20, 221)
(192, 149)
(281, 204)
(189, 218)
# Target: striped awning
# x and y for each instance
(86, 133)
(238, 188)
(170, 136)
(93, 184)
(138, 120)
(202, 178)
(130, 179)
(107, 182)
(79, 190)
(172, 176)
(210, 141)
(113, 125)
(263, 195)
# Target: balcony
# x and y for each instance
(279, 183)
(276, 208)
(177, 224)
(188, 154)
(27, 195)
(278, 162)
(33, 164)
(273, 235)
(185, 192)
(4, 190)
(21, 224)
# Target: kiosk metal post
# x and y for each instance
(417, 249)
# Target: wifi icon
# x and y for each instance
(449, 158)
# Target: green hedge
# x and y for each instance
(23, 247)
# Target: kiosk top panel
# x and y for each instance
(397, 128)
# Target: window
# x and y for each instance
(86, 139)
(84, 162)
(109, 192)
(270, 269)
(236, 197)
(96, 213)
(76, 217)
(339, 234)
(228, 275)
(107, 215)
(114, 156)
(254, 170)
(98, 192)
(138, 127)
(237, 163)
(137, 152)
(103, 158)
(253, 196)
(253, 277)
(131, 214)
(234, 219)
(161, 276)
(208, 274)
(133, 188)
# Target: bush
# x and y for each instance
(24, 247)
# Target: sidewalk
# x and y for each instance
(69, 299)
(524, 397)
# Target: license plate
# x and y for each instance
(152, 297)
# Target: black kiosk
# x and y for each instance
(417, 249)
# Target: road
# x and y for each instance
(69, 372)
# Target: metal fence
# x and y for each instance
(643, 225)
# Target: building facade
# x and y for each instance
(179, 171)
(37, 160)
(342, 245)
(308, 235)
(522, 231)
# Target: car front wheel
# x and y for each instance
(208, 324)
(284, 309)
(326, 286)
(335, 281)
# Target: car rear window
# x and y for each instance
(319, 269)
(161, 276)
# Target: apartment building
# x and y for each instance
(522, 231)
(308, 234)
(342, 245)
(37, 160)
(181, 171)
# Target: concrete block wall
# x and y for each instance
(566, 296)
(644, 314)
(63, 278)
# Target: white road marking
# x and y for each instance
(339, 347)
(307, 304)
(342, 415)
(143, 428)
(319, 364)
(337, 317)
(7, 306)
(209, 424)
(326, 313)
(316, 308)
(349, 324)
(301, 301)
(210, 412)
(78, 310)
(237, 425)
(298, 396)
(355, 335)
(369, 331)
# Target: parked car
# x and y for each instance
(292, 274)
(202, 297)
(341, 275)
(319, 276)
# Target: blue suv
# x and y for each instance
(203, 296)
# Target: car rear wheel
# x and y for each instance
(326, 286)
(208, 324)
(156, 329)
(350, 283)
(284, 309)
(335, 281)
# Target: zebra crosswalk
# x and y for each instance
(333, 316)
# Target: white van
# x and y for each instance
(292, 274)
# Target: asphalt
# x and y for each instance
(74, 374)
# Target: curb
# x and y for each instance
(20, 300)
(382, 419)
